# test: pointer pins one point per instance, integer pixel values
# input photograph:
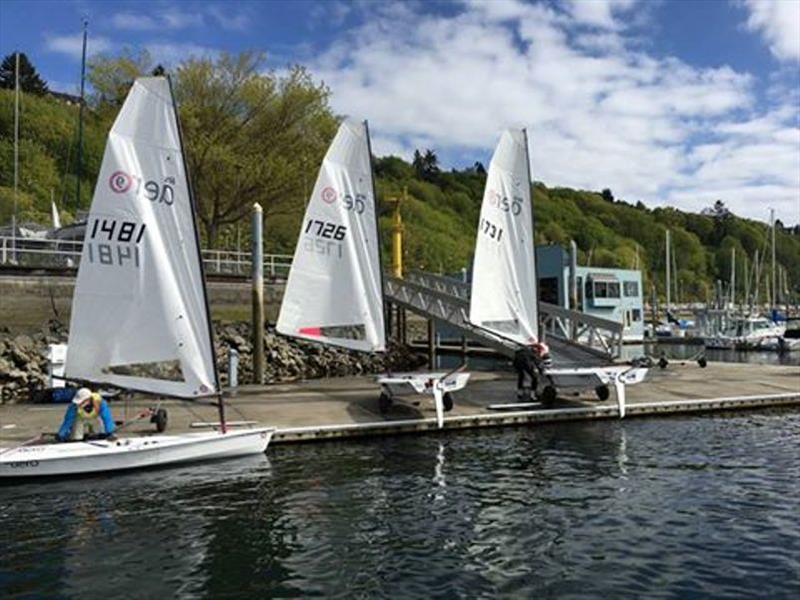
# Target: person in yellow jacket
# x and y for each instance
(87, 413)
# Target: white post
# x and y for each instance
(257, 256)
(16, 158)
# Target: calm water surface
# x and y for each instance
(672, 507)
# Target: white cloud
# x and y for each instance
(778, 22)
(176, 19)
(599, 115)
(172, 19)
(228, 20)
(133, 21)
(597, 13)
(72, 45)
(171, 53)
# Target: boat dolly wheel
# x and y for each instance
(549, 395)
(447, 402)
(159, 417)
(384, 403)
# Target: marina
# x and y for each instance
(374, 323)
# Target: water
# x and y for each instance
(673, 507)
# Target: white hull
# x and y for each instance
(78, 458)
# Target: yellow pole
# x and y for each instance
(397, 239)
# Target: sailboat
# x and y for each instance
(334, 292)
(503, 295)
(140, 318)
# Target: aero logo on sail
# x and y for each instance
(329, 195)
(120, 182)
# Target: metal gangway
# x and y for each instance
(575, 338)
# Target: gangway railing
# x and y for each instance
(440, 305)
(589, 333)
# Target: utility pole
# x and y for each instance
(16, 159)
(79, 170)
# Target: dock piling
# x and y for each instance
(257, 255)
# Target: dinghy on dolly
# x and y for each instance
(503, 296)
(140, 318)
(334, 293)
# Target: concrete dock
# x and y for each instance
(347, 407)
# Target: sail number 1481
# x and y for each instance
(113, 242)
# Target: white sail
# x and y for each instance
(503, 297)
(334, 293)
(139, 314)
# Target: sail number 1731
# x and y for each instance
(492, 230)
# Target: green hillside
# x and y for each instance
(440, 213)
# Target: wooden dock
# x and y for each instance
(347, 407)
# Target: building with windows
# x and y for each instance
(614, 294)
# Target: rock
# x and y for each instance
(23, 362)
(23, 343)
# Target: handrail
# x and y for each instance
(60, 253)
(589, 332)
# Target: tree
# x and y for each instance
(112, 76)
(607, 195)
(251, 136)
(29, 80)
(426, 165)
(479, 168)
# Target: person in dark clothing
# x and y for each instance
(527, 361)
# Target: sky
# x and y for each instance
(674, 103)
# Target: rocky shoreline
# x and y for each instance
(24, 364)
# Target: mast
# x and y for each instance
(193, 202)
(377, 231)
(668, 270)
(774, 296)
(733, 277)
(746, 281)
(533, 236)
(80, 119)
(675, 274)
(757, 280)
(16, 157)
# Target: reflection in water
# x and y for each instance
(691, 507)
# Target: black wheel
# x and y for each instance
(702, 362)
(549, 395)
(384, 403)
(602, 392)
(160, 419)
(447, 402)
(663, 362)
